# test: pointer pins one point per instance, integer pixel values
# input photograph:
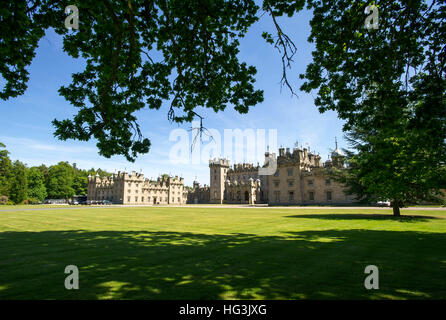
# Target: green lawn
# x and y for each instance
(32, 206)
(222, 253)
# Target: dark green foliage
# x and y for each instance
(60, 180)
(18, 184)
(21, 28)
(139, 54)
(33, 185)
(5, 170)
(389, 85)
(36, 184)
(80, 183)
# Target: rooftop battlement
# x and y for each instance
(124, 177)
(244, 167)
(220, 162)
(298, 156)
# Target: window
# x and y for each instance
(276, 174)
(276, 184)
(328, 195)
(290, 172)
(277, 194)
(179, 200)
(136, 191)
(215, 170)
(327, 182)
(129, 191)
(130, 184)
(142, 199)
(291, 196)
(310, 182)
(136, 199)
(290, 183)
(137, 185)
(311, 194)
(128, 199)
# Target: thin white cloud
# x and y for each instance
(38, 145)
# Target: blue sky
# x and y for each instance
(25, 125)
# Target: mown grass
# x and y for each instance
(31, 206)
(222, 253)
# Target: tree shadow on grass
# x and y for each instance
(177, 265)
(361, 216)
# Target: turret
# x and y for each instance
(218, 170)
(337, 156)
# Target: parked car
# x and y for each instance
(384, 203)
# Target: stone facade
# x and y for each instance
(125, 188)
(243, 184)
(198, 194)
(218, 172)
(300, 178)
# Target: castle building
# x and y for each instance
(125, 188)
(218, 171)
(300, 178)
(243, 184)
(198, 194)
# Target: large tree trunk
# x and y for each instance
(396, 211)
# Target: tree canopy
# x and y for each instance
(138, 54)
(387, 83)
(18, 184)
(5, 170)
(21, 184)
(389, 86)
(36, 184)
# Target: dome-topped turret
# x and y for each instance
(337, 156)
(337, 152)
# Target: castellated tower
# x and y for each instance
(218, 170)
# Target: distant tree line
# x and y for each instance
(22, 184)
